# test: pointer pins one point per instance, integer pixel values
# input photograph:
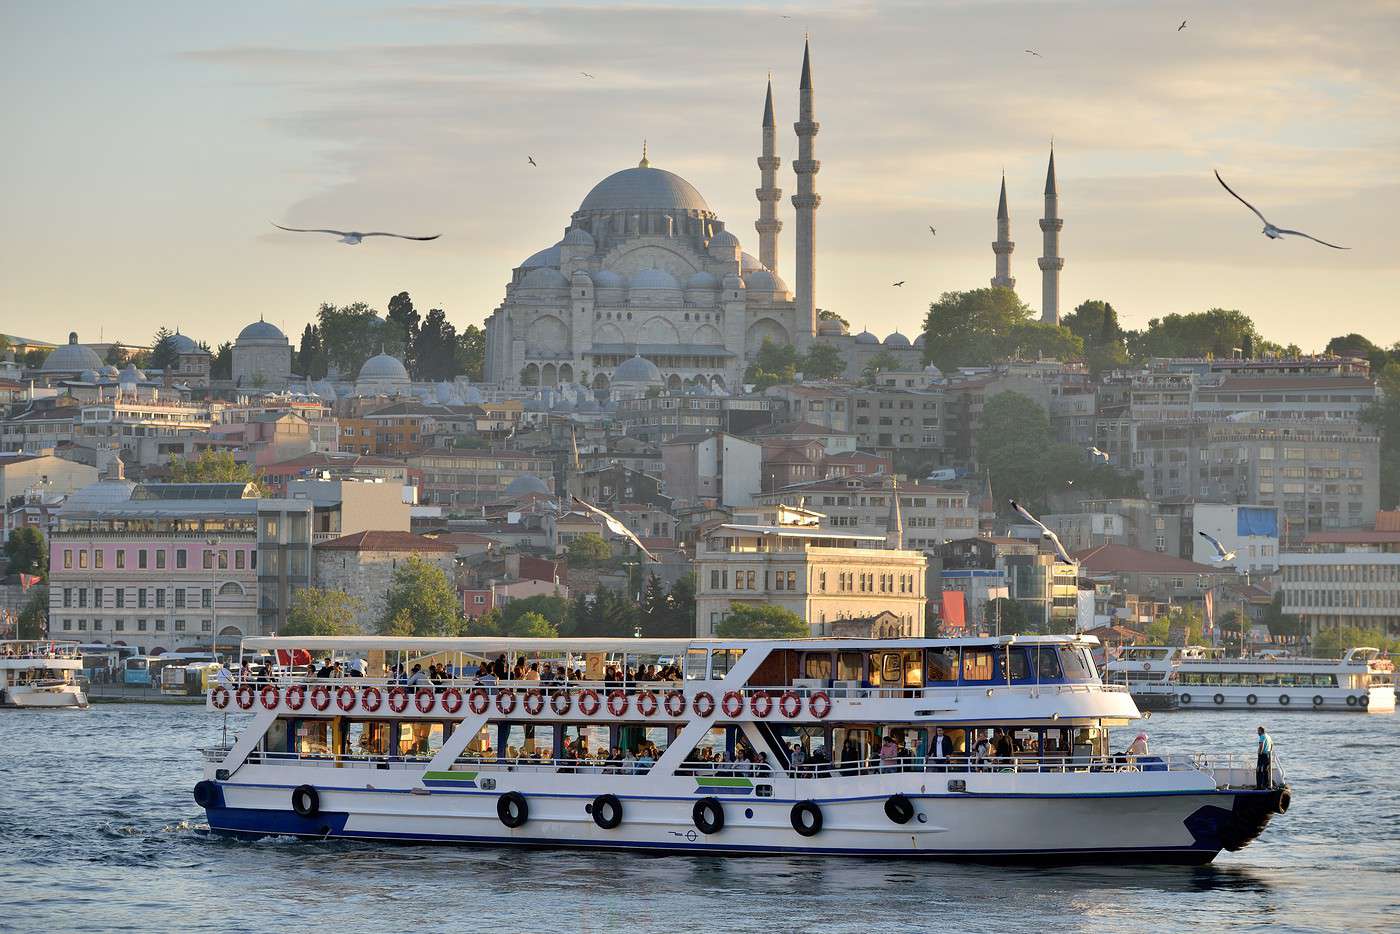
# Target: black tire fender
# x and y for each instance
(899, 809)
(708, 815)
(306, 801)
(1251, 700)
(513, 809)
(806, 818)
(206, 793)
(1220, 698)
(607, 811)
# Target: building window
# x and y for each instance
(141, 597)
(209, 561)
(160, 560)
(179, 625)
(121, 597)
(119, 625)
(121, 558)
(239, 559)
(160, 596)
(97, 558)
(206, 599)
(141, 559)
(206, 625)
(67, 559)
(140, 625)
(160, 625)
(181, 559)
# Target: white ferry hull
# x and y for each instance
(1274, 700)
(66, 696)
(992, 822)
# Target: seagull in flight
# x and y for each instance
(1096, 454)
(1182, 26)
(1034, 52)
(899, 283)
(932, 231)
(1270, 231)
(1044, 531)
(585, 74)
(353, 237)
(614, 525)
(531, 160)
(1221, 556)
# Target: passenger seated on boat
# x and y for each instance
(532, 673)
(417, 677)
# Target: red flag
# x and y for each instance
(28, 580)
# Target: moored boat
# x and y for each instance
(40, 673)
(1197, 677)
(983, 749)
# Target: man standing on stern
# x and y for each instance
(1264, 767)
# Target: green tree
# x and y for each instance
(1355, 345)
(1332, 641)
(210, 466)
(351, 335)
(401, 326)
(1185, 620)
(1007, 617)
(1096, 324)
(773, 365)
(164, 356)
(882, 362)
(221, 364)
(317, 612)
(984, 326)
(311, 356)
(521, 626)
(400, 624)
(33, 618)
(27, 552)
(669, 615)
(603, 613)
(823, 361)
(438, 347)
(588, 550)
(1383, 417)
(471, 353)
(554, 609)
(1218, 332)
(826, 314)
(421, 593)
(761, 621)
(1279, 622)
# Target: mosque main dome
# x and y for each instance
(644, 189)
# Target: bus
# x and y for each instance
(192, 678)
(137, 670)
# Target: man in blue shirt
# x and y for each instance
(1264, 767)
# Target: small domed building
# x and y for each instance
(70, 360)
(383, 375)
(262, 357)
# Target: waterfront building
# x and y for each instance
(931, 515)
(41, 474)
(718, 467)
(1346, 578)
(363, 565)
(464, 481)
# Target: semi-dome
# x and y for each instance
(748, 262)
(577, 236)
(920, 341)
(865, 337)
(644, 189)
(130, 374)
(544, 278)
(896, 340)
(526, 484)
(831, 327)
(702, 280)
(384, 366)
(607, 279)
(761, 280)
(549, 256)
(87, 376)
(183, 344)
(71, 357)
(637, 369)
(261, 330)
(109, 371)
(654, 279)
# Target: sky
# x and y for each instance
(150, 144)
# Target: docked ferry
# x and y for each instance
(1184, 677)
(977, 749)
(40, 674)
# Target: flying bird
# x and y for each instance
(1034, 52)
(899, 283)
(1182, 26)
(585, 74)
(615, 526)
(1044, 531)
(352, 237)
(531, 160)
(1221, 555)
(932, 231)
(1270, 231)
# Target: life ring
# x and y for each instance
(703, 704)
(819, 705)
(1185, 698)
(761, 703)
(732, 704)
(370, 698)
(398, 698)
(512, 808)
(1220, 698)
(646, 704)
(560, 703)
(899, 809)
(306, 801)
(534, 702)
(1251, 700)
(345, 697)
(320, 697)
(424, 699)
(270, 696)
(607, 811)
(1285, 700)
(505, 701)
(219, 697)
(478, 701)
(452, 700)
(588, 702)
(708, 815)
(244, 696)
(790, 704)
(806, 818)
(1317, 700)
(1351, 700)
(675, 703)
(617, 703)
(296, 696)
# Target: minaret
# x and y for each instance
(806, 201)
(894, 528)
(1003, 245)
(768, 225)
(1051, 263)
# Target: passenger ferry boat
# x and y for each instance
(40, 674)
(1199, 677)
(825, 746)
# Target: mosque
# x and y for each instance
(648, 282)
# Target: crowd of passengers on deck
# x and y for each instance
(488, 673)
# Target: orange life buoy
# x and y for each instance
(424, 699)
(345, 697)
(219, 697)
(617, 703)
(704, 704)
(398, 698)
(505, 701)
(534, 702)
(478, 701)
(271, 696)
(646, 704)
(732, 704)
(452, 700)
(588, 702)
(790, 704)
(370, 698)
(296, 696)
(244, 696)
(320, 697)
(560, 702)
(761, 703)
(675, 703)
(819, 705)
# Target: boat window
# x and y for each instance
(816, 665)
(914, 669)
(276, 738)
(645, 743)
(587, 741)
(892, 669)
(1018, 666)
(365, 738)
(420, 740)
(313, 737)
(855, 745)
(811, 740)
(722, 660)
(1076, 664)
(695, 664)
(850, 666)
(1055, 743)
(942, 665)
(978, 664)
(955, 739)
(1047, 664)
(1026, 740)
(528, 741)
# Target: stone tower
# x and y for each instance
(806, 201)
(894, 526)
(1051, 263)
(768, 225)
(1003, 245)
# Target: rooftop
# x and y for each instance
(1120, 558)
(387, 541)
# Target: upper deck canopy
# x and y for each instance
(484, 645)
